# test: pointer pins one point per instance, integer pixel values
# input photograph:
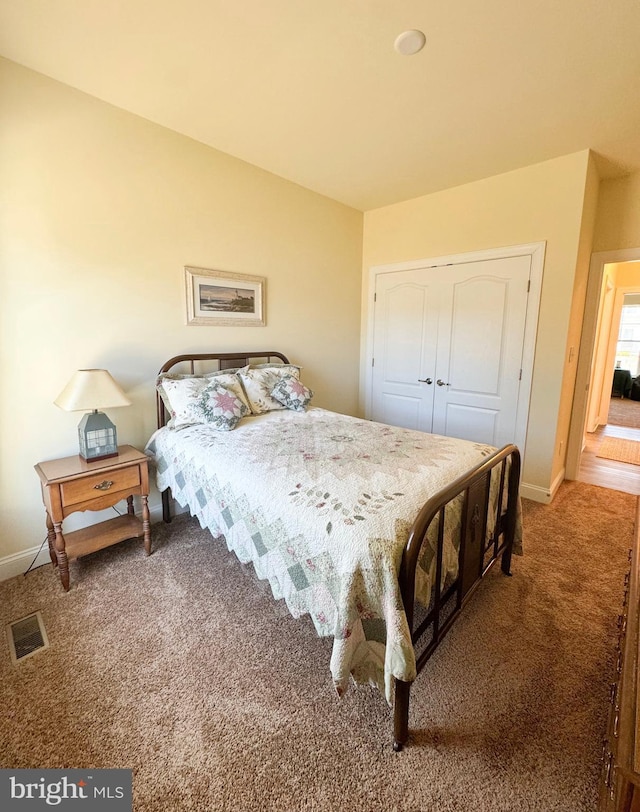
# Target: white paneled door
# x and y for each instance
(448, 347)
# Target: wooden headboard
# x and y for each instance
(216, 361)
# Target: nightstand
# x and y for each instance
(71, 484)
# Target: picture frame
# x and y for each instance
(221, 298)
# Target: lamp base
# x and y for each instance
(97, 459)
(97, 437)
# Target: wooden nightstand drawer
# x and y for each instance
(90, 487)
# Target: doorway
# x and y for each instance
(612, 415)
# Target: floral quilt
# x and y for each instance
(321, 504)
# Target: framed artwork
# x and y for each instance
(221, 298)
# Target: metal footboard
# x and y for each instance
(477, 554)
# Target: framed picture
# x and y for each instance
(221, 298)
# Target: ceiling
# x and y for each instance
(314, 91)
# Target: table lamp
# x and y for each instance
(93, 389)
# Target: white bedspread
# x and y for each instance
(321, 504)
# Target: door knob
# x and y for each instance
(425, 380)
(440, 382)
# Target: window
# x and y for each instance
(628, 347)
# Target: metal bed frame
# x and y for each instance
(477, 554)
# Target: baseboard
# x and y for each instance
(558, 481)
(155, 510)
(535, 493)
(543, 495)
(18, 563)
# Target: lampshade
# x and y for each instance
(93, 389)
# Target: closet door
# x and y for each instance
(479, 352)
(447, 348)
(405, 340)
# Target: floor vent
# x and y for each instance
(27, 637)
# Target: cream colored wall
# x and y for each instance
(618, 221)
(544, 202)
(99, 213)
(628, 275)
(599, 394)
(568, 391)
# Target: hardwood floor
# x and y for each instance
(617, 476)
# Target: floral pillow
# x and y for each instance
(292, 393)
(182, 396)
(221, 406)
(258, 383)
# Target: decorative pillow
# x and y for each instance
(182, 394)
(221, 406)
(258, 383)
(292, 393)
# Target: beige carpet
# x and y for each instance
(182, 667)
(622, 450)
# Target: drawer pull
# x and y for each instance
(607, 770)
(622, 624)
(104, 485)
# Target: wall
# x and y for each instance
(599, 394)
(570, 393)
(99, 213)
(618, 221)
(544, 202)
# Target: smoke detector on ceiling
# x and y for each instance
(410, 42)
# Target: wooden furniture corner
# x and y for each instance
(72, 484)
(620, 785)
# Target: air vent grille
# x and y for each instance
(27, 637)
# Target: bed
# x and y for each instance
(380, 534)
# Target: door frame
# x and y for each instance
(575, 441)
(534, 250)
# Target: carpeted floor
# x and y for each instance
(182, 667)
(624, 412)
